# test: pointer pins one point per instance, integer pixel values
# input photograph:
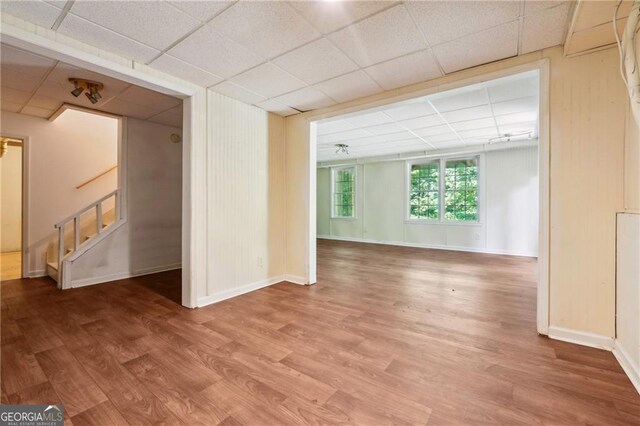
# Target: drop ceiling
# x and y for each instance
(592, 25)
(473, 115)
(38, 86)
(287, 57)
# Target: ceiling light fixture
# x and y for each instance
(507, 137)
(92, 87)
(342, 148)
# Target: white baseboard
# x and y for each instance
(581, 338)
(429, 246)
(632, 371)
(228, 294)
(122, 275)
(38, 273)
(294, 279)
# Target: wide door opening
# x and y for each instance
(436, 200)
(11, 202)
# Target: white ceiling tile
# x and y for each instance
(276, 108)
(401, 136)
(7, 106)
(444, 137)
(516, 128)
(545, 28)
(36, 12)
(349, 86)
(473, 124)
(44, 102)
(371, 139)
(405, 111)
(305, 99)
(267, 28)
(466, 97)
(15, 96)
(25, 63)
(422, 122)
(369, 119)
(334, 126)
(171, 117)
(103, 38)
(232, 90)
(181, 69)
(18, 80)
(530, 116)
(484, 133)
(384, 129)
(221, 56)
(442, 21)
(156, 24)
(141, 96)
(413, 68)
(120, 107)
(317, 61)
(516, 105)
(533, 6)
(268, 80)
(37, 112)
(329, 16)
(201, 10)
(433, 131)
(342, 136)
(384, 36)
(487, 46)
(467, 114)
(513, 87)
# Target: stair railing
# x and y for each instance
(75, 218)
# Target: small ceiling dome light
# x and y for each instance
(92, 87)
(343, 148)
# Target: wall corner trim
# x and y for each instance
(632, 371)
(593, 340)
(238, 291)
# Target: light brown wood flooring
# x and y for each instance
(389, 335)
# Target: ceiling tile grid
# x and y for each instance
(315, 53)
(455, 118)
(38, 86)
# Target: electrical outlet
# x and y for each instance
(260, 263)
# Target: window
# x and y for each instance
(444, 190)
(344, 191)
(461, 190)
(424, 196)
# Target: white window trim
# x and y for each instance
(355, 192)
(441, 220)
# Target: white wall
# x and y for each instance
(62, 154)
(508, 207)
(11, 199)
(151, 239)
(245, 199)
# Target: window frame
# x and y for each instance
(334, 170)
(441, 186)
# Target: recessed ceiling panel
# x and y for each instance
(440, 121)
(349, 86)
(405, 70)
(268, 80)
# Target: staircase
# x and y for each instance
(79, 232)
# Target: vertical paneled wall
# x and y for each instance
(245, 184)
(508, 207)
(587, 107)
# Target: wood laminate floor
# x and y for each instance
(389, 335)
(10, 265)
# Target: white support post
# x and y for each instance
(76, 232)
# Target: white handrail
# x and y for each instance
(89, 207)
(60, 226)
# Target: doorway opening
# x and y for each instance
(11, 206)
(462, 169)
